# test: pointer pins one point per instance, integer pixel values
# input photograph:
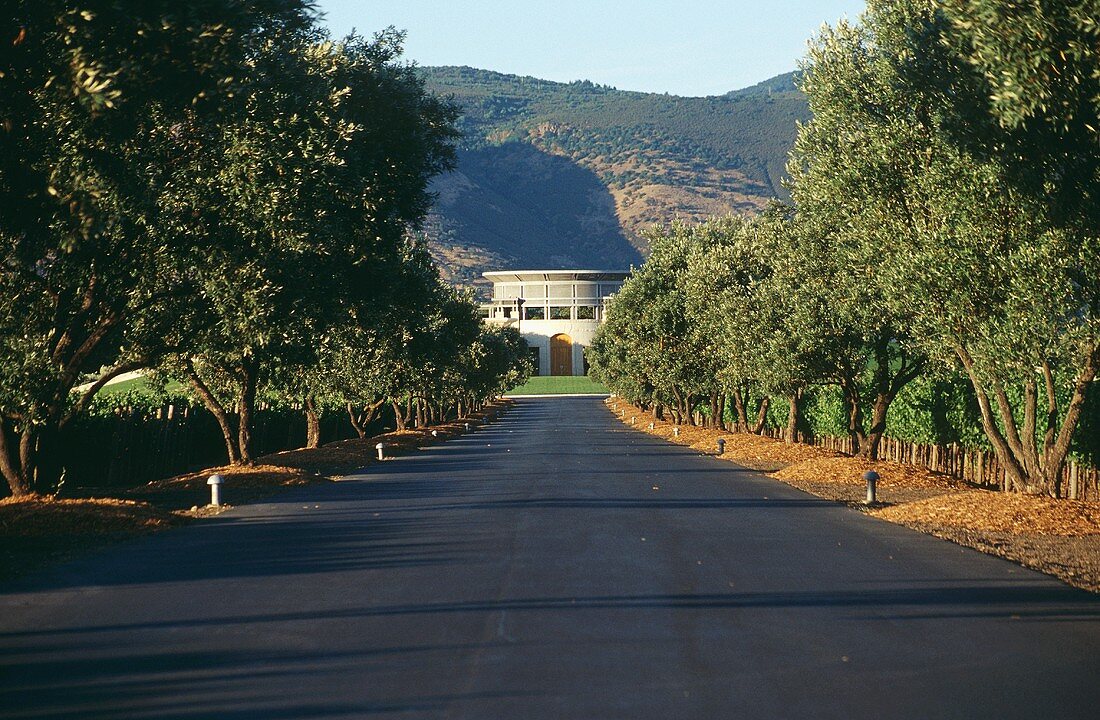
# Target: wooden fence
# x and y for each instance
(975, 466)
(135, 446)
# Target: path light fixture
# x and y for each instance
(380, 447)
(651, 426)
(721, 446)
(467, 426)
(633, 419)
(435, 433)
(676, 432)
(871, 477)
(215, 483)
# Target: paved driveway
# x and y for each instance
(554, 565)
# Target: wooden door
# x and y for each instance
(561, 355)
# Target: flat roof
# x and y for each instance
(499, 276)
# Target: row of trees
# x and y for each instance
(217, 190)
(945, 218)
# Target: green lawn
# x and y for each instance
(559, 385)
(139, 385)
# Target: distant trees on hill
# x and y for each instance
(734, 131)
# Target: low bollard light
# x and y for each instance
(215, 483)
(871, 477)
(467, 426)
(435, 433)
(633, 419)
(380, 447)
(651, 426)
(721, 446)
(676, 432)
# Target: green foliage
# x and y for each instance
(219, 191)
(93, 106)
(749, 131)
(977, 200)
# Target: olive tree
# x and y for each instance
(920, 151)
(724, 266)
(95, 100)
(320, 176)
(783, 336)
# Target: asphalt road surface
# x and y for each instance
(553, 565)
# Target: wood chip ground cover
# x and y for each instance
(1059, 537)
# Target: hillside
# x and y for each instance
(569, 174)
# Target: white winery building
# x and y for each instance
(556, 311)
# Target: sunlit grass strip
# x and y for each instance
(560, 385)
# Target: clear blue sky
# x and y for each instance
(684, 47)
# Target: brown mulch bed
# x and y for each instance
(752, 451)
(1058, 537)
(38, 530)
(1001, 512)
(189, 493)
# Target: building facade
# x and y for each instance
(556, 311)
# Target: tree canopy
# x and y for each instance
(221, 192)
(944, 221)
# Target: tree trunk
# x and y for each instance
(741, 418)
(762, 415)
(794, 415)
(356, 423)
(17, 459)
(246, 407)
(869, 444)
(313, 423)
(853, 402)
(681, 405)
(1027, 469)
(10, 465)
(360, 421)
(398, 414)
(217, 410)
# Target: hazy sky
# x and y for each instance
(685, 47)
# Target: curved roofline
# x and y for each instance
(546, 275)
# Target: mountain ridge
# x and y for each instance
(554, 174)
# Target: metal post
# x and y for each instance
(721, 446)
(215, 483)
(871, 477)
(379, 447)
